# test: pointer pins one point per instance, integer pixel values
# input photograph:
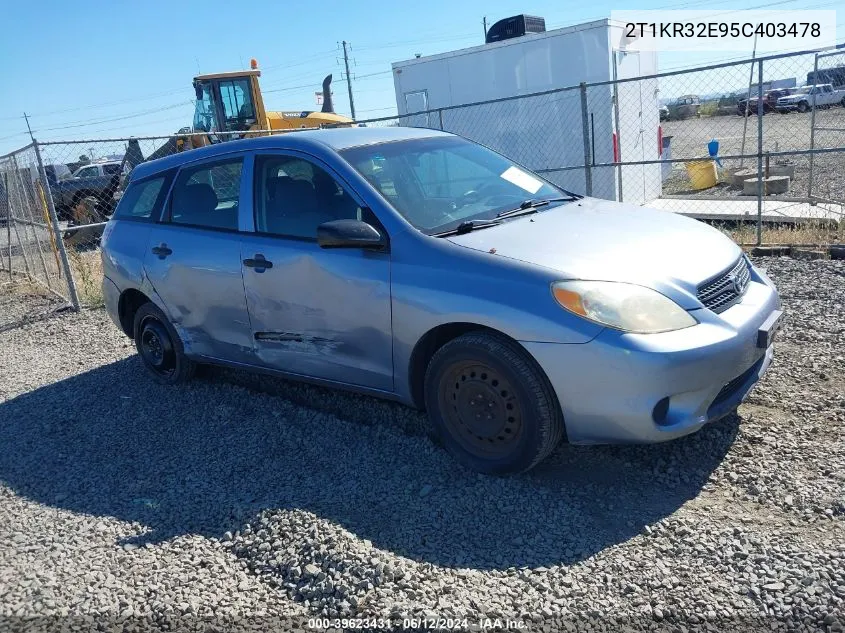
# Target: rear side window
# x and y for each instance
(142, 199)
(111, 170)
(208, 195)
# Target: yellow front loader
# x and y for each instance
(228, 105)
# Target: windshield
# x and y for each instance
(437, 183)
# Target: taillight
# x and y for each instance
(659, 141)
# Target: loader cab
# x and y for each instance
(228, 102)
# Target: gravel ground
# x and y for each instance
(250, 501)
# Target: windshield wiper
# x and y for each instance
(467, 226)
(530, 206)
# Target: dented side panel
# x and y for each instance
(321, 313)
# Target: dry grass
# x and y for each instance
(808, 234)
(87, 269)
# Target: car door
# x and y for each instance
(322, 313)
(193, 260)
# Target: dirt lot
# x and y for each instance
(781, 132)
(254, 502)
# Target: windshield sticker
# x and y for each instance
(522, 180)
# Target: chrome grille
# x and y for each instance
(727, 288)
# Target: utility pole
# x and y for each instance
(484, 23)
(26, 118)
(348, 81)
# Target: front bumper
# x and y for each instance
(786, 107)
(609, 389)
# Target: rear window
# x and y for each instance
(142, 200)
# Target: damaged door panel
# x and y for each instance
(322, 313)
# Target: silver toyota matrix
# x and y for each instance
(416, 265)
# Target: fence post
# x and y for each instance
(759, 152)
(813, 130)
(54, 220)
(440, 115)
(8, 225)
(585, 133)
(618, 157)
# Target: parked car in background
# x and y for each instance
(770, 99)
(416, 265)
(822, 95)
(664, 113)
(685, 107)
(96, 182)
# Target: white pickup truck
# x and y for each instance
(823, 95)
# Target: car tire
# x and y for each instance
(523, 422)
(160, 347)
(803, 107)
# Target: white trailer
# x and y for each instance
(545, 132)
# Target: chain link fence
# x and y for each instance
(745, 144)
(34, 272)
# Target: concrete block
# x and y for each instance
(739, 176)
(782, 170)
(771, 185)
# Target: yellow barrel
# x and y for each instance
(702, 173)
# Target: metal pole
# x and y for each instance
(748, 99)
(71, 284)
(813, 130)
(8, 220)
(29, 129)
(759, 152)
(484, 24)
(348, 81)
(585, 133)
(618, 156)
(440, 114)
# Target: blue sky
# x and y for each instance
(98, 69)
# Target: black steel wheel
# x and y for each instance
(803, 107)
(159, 347)
(491, 405)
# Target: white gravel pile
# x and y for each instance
(228, 499)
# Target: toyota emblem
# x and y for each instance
(736, 283)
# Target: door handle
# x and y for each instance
(161, 250)
(259, 263)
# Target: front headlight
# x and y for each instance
(622, 306)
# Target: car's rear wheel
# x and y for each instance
(491, 405)
(159, 347)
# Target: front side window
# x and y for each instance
(437, 183)
(205, 117)
(208, 196)
(141, 199)
(294, 196)
(112, 169)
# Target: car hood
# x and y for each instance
(609, 241)
(792, 97)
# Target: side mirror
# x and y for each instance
(349, 234)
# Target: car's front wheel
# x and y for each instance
(159, 347)
(491, 405)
